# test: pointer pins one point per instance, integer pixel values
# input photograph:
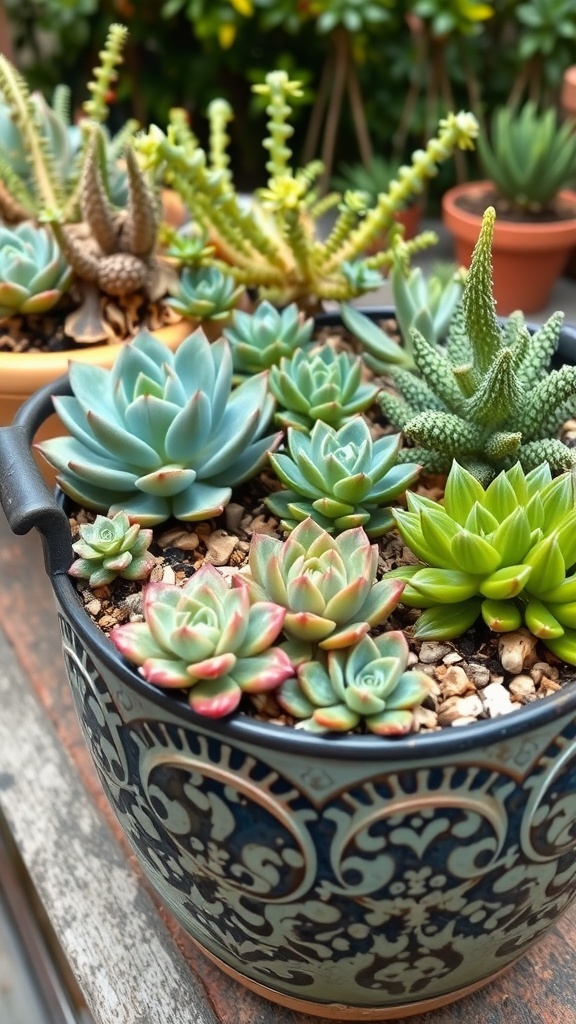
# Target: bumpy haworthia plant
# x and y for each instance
(321, 385)
(205, 293)
(112, 546)
(273, 245)
(326, 584)
(425, 303)
(489, 399)
(340, 478)
(507, 553)
(259, 340)
(33, 272)
(161, 434)
(366, 684)
(206, 637)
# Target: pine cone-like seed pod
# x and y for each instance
(122, 274)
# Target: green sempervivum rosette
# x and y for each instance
(259, 340)
(205, 293)
(340, 478)
(33, 272)
(364, 684)
(161, 434)
(209, 638)
(326, 584)
(507, 553)
(325, 385)
(111, 547)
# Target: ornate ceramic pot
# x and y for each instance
(353, 877)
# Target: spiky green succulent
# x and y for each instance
(319, 385)
(528, 155)
(33, 272)
(206, 637)
(489, 399)
(340, 478)
(507, 553)
(367, 684)
(161, 434)
(205, 293)
(112, 546)
(425, 303)
(259, 340)
(326, 584)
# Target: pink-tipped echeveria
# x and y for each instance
(367, 683)
(33, 272)
(322, 385)
(507, 553)
(206, 637)
(111, 547)
(326, 584)
(340, 478)
(161, 434)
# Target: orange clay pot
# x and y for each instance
(527, 258)
(22, 373)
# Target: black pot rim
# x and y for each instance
(366, 747)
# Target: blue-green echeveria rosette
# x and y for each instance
(507, 553)
(161, 434)
(326, 584)
(319, 385)
(365, 684)
(261, 339)
(110, 547)
(340, 478)
(33, 272)
(207, 638)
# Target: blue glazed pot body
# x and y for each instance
(373, 883)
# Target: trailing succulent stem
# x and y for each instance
(487, 399)
(273, 246)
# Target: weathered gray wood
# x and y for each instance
(127, 965)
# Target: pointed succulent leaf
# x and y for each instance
(547, 565)
(215, 698)
(541, 621)
(506, 582)
(564, 647)
(501, 616)
(448, 586)
(446, 623)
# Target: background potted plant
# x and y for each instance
(378, 873)
(528, 158)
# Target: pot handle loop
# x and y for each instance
(25, 497)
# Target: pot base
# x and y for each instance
(340, 1011)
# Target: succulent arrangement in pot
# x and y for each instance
(271, 712)
(528, 159)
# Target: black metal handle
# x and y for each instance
(26, 499)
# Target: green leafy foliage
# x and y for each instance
(507, 553)
(110, 547)
(207, 638)
(161, 434)
(340, 478)
(367, 684)
(488, 399)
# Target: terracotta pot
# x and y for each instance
(568, 94)
(357, 877)
(527, 258)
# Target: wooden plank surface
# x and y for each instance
(132, 961)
